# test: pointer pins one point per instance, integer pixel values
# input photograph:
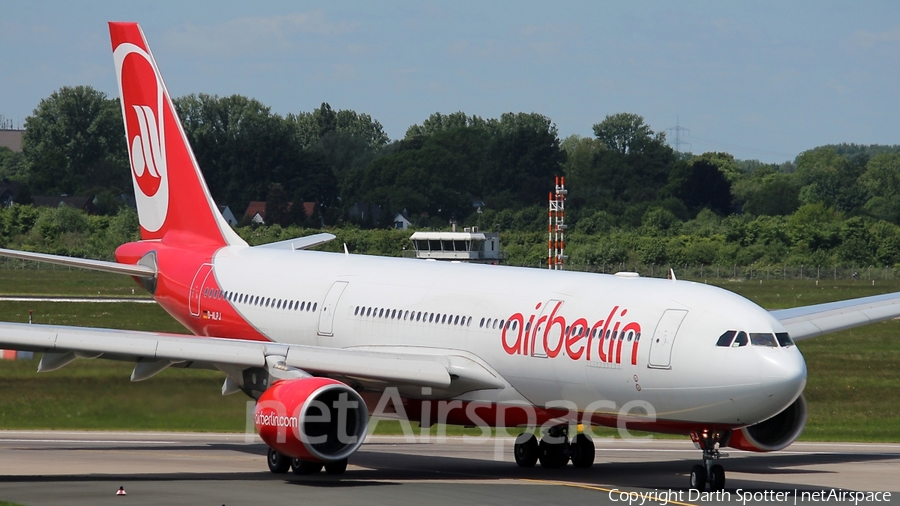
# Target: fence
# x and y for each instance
(692, 272)
(738, 272)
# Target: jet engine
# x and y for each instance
(318, 419)
(773, 434)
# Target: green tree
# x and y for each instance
(524, 157)
(243, 149)
(831, 179)
(74, 140)
(12, 165)
(625, 178)
(311, 127)
(626, 133)
(438, 122)
(775, 194)
(277, 205)
(882, 182)
(701, 184)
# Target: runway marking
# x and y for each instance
(650, 495)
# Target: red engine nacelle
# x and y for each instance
(773, 434)
(312, 419)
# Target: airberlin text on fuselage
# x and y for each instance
(577, 338)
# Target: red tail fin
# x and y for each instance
(172, 198)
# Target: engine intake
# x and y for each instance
(773, 434)
(312, 418)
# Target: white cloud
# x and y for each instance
(868, 39)
(248, 35)
(338, 72)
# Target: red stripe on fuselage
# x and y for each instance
(468, 413)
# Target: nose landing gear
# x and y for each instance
(554, 450)
(709, 473)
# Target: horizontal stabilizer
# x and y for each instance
(307, 242)
(140, 271)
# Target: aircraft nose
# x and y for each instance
(783, 372)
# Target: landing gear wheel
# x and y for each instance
(717, 478)
(305, 466)
(278, 463)
(336, 467)
(582, 449)
(698, 478)
(526, 450)
(553, 455)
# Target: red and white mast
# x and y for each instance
(556, 226)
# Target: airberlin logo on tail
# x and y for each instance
(143, 102)
(601, 341)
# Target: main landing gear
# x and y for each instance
(279, 463)
(709, 473)
(554, 450)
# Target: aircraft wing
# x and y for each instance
(811, 321)
(62, 344)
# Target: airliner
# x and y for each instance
(320, 340)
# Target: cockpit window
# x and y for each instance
(726, 338)
(784, 339)
(760, 339)
(740, 340)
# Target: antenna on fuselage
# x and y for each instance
(346, 251)
(672, 274)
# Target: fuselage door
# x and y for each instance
(326, 316)
(197, 288)
(664, 338)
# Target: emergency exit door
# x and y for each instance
(664, 338)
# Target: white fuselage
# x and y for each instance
(368, 302)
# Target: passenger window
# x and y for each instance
(784, 339)
(469, 322)
(431, 318)
(418, 316)
(761, 339)
(481, 323)
(726, 338)
(369, 312)
(356, 311)
(406, 315)
(740, 340)
(315, 306)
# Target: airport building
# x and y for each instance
(470, 245)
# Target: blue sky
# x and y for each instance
(763, 80)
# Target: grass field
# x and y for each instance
(853, 389)
(56, 280)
